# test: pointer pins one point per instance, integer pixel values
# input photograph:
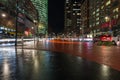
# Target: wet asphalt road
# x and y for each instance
(29, 64)
(108, 55)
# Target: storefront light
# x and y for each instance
(3, 15)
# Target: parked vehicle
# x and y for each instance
(116, 39)
(105, 38)
(108, 38)
(102, 38)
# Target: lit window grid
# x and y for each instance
(42, 7)
(115, 15)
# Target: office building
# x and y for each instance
(104, 17)
(84, 19)
(72, 17)
(18, 16)
(42, 7)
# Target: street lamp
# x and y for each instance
(3, 15)
(33, 29)
(107, 18)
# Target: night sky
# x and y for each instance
(56, 15)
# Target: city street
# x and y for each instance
(60, 40)
(60, 60)
(34, 64)
(108, 55)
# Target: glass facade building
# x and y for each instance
(19, 14)
(42, 7)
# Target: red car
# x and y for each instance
(102, 38)
(105, 38)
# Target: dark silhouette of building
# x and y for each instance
(72, 17)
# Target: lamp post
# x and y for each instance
(37, 24)
(36, 31)
(16, 23)
(33, 29)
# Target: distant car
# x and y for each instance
(105, 38)
(102, 38)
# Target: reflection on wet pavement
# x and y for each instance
(108, 55)
(45, 65)
(7, 63)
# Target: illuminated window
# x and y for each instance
(73, 13)
(67, 7)
(93, 12)
(5, 28)
(68, 11)
(97, 14)
(116, 10)
(98, 10)
(78, 13)
(74, 4)
(116, 16)
(90, 25)
(74, 9)
(2, 27)
(102, 7)
(108, 2)
(97, 19)
(8, 29)
(97, 23)
(67, 1)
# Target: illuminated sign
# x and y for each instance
(108, 24)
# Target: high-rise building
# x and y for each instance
(72, 17)
(42, 7)
(17, 16)
(104, 17)
(84, 18)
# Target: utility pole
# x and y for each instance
(16, 27)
